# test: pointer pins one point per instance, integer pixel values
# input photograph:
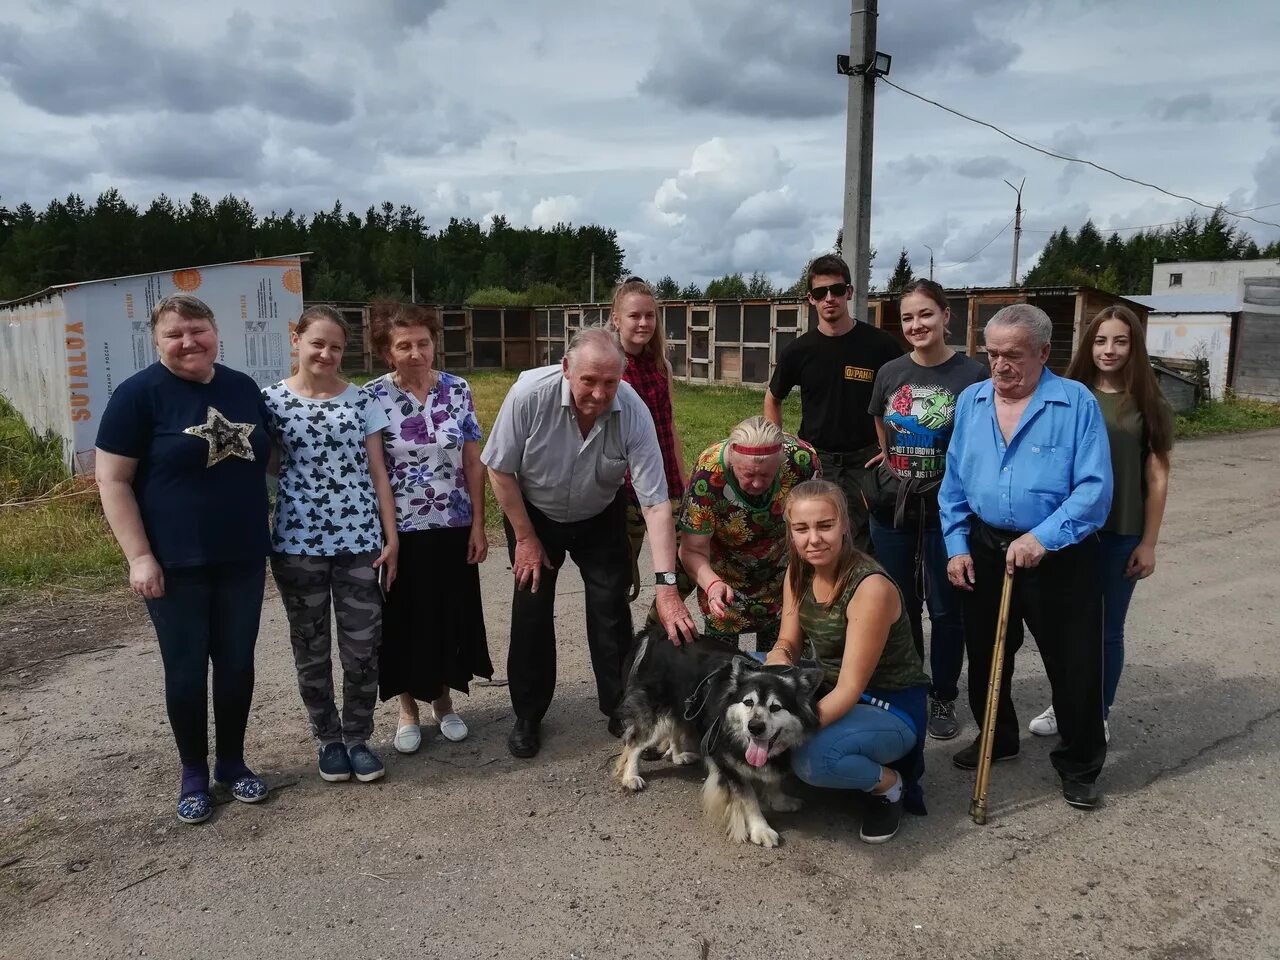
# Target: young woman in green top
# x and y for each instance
(1112, 361)
(842, 611)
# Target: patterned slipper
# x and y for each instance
(452, 727)
(249, 788)
(195, 807)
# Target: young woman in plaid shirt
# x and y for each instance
(638, 327)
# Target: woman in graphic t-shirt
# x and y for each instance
(914, 401)
(181, 467)
(1112, 361)
(334, 539)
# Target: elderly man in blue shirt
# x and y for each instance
(1027, 485)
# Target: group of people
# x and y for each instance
(913, 482)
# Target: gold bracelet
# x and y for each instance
(786, 651)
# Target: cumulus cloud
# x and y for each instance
(105, 63)
(549, 211)
(730, 210)
(183, 148)
(1189, 106)
(772, 60)
(987, 168)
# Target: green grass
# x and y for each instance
(62, 542)
(1233, 415)
(704, 415)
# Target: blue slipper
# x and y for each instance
(195, 807)
(249, 788)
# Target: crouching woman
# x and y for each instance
(841, 611)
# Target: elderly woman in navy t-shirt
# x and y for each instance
(181, 465)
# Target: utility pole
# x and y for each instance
(930, 249)
(413, 285)
(1017, 231)
(860, 66)
(592, 297)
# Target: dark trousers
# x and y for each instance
(209, 613)
(1061, 603)
(916, 559)
(846, 471)
(599, 547)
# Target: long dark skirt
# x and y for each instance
(433, 634)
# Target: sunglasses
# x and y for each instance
(836, 290)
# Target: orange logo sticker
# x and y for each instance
(187, 280)
(292, 280)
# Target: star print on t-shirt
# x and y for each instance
(226, 439)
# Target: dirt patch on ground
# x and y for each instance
(464, 852)
(36, 634)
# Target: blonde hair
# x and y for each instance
(799, 570)
(656, 348)
(756, 432)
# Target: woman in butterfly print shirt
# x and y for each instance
(433, 629)
(334, 538)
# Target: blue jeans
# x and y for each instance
(896, 552)
(850, 753)
(1117, 591)
(209, 614)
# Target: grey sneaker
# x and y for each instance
(943, 724)
(365, 763)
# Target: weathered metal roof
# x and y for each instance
(49, 291)
(1190, 302)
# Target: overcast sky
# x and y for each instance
(709, 133)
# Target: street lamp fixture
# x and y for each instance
(878, 67)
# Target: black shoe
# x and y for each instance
(616, 726)
(881, 819)
(525, 739)
(967, 759)
(1082, 796)
(943, 724)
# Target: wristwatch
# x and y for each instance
(664, 579)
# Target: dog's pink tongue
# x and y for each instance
(758, 752)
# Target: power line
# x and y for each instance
(1070, 159)
(1152, 226)
(973, 256)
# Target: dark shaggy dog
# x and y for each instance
(708, 699)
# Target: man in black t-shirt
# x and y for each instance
(835, 367)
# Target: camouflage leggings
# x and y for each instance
(306, 586)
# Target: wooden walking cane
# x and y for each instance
(978, 808)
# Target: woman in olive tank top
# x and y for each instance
(841, 611)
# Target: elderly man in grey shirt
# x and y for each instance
(557, 455)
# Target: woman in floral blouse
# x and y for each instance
(433, 635)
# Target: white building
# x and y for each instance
(1187, 326)
(63, 350)
(1208, 276)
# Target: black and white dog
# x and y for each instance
(706, 698)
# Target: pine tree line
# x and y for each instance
(1123, 266)
(353, 257)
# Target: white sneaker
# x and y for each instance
(408, 738)
(1045, 725)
